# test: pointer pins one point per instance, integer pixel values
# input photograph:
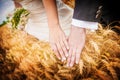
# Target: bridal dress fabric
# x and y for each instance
(37, 23)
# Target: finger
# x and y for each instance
(72, 61)
(69, 57)
(52, 45)
(78, 52)
(66, 43)
(61, 51)
(57, 53)
(64, 48)
(54, 48)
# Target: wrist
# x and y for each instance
(53, 24)
(77, 29)
(54, 27)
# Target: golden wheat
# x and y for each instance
(24, 57)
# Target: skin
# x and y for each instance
(65, 49)
(17, 4)
(76, 43)
(57, 37)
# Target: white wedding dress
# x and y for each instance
(37, 23)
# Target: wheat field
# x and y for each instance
(23, 57)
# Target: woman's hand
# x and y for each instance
(58, 42)
(76, 43)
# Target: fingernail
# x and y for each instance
(71, 65)
(67, 47)
(63, 59)
(59, 58)
(77, 62)
(67, 65)
(66, 54)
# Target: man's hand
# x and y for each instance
(76, 43)
(58, 42)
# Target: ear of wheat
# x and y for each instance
(22, 55)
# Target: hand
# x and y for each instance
(58, 42)
(76, 43)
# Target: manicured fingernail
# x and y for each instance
(67, 65)
(66, 54)
(59, 58)
(71, 65)
(63, 59)
(77, 62)
(67, 47)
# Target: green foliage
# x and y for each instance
(16, 18)
(17, 15)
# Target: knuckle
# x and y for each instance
(68, 58)
(59, 48)
(71, 45)
(57, 54)
(63, 46)
(64, 49)
(55, 50)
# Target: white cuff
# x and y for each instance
(85, 24)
